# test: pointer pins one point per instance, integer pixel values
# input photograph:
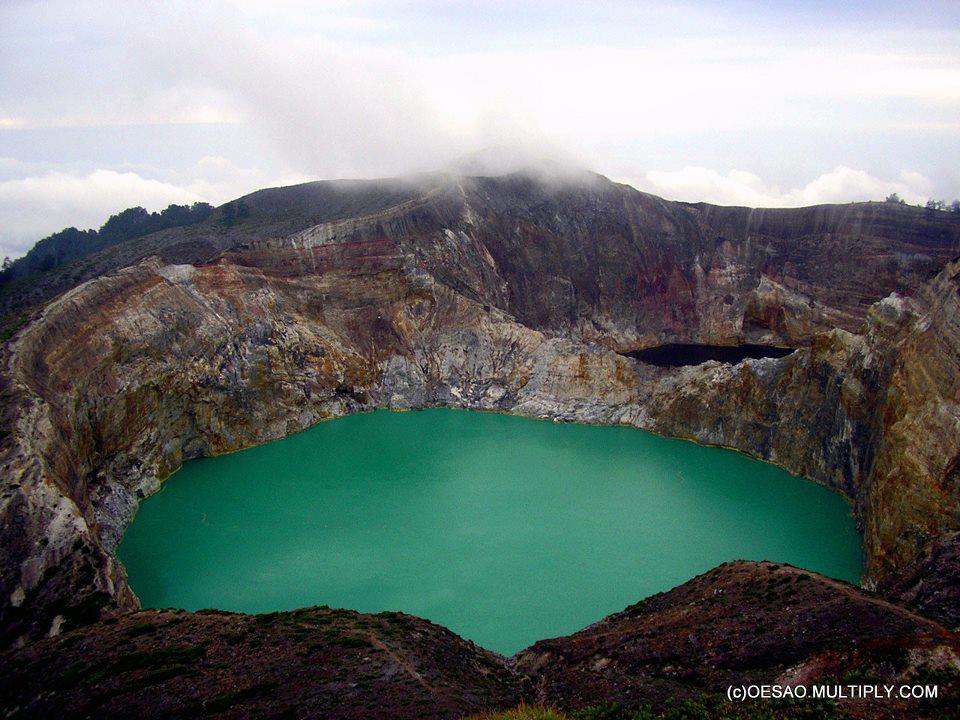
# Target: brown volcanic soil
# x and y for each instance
(315, 662)
(931, 584)
(742, 622)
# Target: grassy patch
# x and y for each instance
(523, 712)
(712, 708)
(12, 325)
(233, 638)
(141, 629)
(174, 655)
(227, 700)
(704, 708)
(160, 664)
(266, 619)
(353, 641)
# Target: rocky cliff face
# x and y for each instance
(929, 585)
(873, 415)
(509, 294)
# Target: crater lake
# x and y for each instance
(504, 529)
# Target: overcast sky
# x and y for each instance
(104, 105)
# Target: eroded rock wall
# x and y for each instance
(501, 295)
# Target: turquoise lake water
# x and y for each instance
(505, 529)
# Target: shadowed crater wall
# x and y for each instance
(509, 293)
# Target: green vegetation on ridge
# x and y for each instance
(706, 707)
(71, 243)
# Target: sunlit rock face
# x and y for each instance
(512, 293)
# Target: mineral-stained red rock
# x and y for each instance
(513, 294)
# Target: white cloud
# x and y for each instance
(340, 108)
(737, 187)
(358, 89)
(376, 88)
(33, 207)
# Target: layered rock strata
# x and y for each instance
(510, 294)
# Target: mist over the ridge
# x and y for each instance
(123, 104)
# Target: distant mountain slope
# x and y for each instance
(671, 271)
(81, 256)
(584, 257)
(61, 247)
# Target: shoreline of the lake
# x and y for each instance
(554, 473)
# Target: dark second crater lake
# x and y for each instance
(681, 354)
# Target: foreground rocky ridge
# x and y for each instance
(740, 623)
(928, 585)
(747, 623)
(315, 662)
(511, 294)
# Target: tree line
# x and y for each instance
(70, 243)
(931, 203)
